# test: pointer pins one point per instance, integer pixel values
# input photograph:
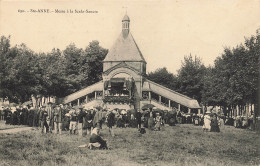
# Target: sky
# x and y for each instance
(165, 31)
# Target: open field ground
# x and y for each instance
(179, 145)
(3, 126)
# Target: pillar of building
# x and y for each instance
(150, 97)
(95, 95)
(199, 111)
(179, 107)
(160, 99)
(78, 102)
(237, 110)
(86, 98)
(169, 103)
(189, 110)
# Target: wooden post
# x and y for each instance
(95, 94)
(78, 102)
(160, 99)
(169, 103)
(189, 110)
(199, 111)
(179, 107)
(150, 97)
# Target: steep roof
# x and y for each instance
(126, 18)
(124, 49)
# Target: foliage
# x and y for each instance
(234, 78)
(190, 77)
(57, 73)
(163, 77)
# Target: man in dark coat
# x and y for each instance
(8, 116)
(36, 118)
(25, 116)
(81, 115)
(88, 121)
(110, 122)
(30, 116)
(44, 115)
(139, 119)
(58, 118)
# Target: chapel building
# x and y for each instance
(124, 85)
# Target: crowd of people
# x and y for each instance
(57, 118)
(52, 118)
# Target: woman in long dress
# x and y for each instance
(214, 124)
(207, 121)
(151, 121)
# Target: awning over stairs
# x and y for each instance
(170, 94)
(95, 87)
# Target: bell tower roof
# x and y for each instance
(125, 47)
(126, 18)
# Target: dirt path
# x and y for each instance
(15, 130)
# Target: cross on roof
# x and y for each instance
(125, 7)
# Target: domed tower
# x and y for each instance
(125, 26)
(125, 50)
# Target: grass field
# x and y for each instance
(178, 145)
(3, 126)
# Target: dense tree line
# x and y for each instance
(57, 73)
(231, 81)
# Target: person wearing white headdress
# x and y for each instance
(207, 121)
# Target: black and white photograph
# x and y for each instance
(129, 83)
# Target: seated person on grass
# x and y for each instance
(96, 142)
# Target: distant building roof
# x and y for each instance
(124, 49)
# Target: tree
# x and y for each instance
(190, 77)
(92, 62)
(163, 77)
